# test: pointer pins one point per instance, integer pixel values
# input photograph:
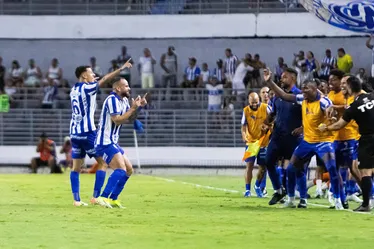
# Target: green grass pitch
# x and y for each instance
(36, 212)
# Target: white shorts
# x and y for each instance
(238, 87)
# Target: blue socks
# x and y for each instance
(351, 187)
(301, 183)
(334, 177)
(274, 177)
(248, 187)
(291, 177)
(99, 182)
(112, 181)
(74, 182)
(119, 187)
(344, 174)
(263, 182)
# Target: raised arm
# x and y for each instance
(115, 73)
(278, 91)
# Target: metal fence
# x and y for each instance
(141, 7)
(162, 127)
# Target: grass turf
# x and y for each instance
(36, 212)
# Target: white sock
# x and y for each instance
(291, 199)
(324, 186)
(319, 186)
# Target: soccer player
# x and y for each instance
(286, 133)
(115, 112)
(314, 142)
(253, 117)
(362, 111)
(82, 125)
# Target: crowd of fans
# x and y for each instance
(224, 83)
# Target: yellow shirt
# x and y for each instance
(313, 115)
(345, 63)
(338, 99)
(253, 120)
(351, 129)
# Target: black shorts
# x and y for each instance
(40, 162)
(366, 152)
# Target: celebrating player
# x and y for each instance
(361, 110)
(314, 141)
(253, 117)
(82, 124)
(115, 112)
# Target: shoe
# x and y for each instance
(258, 192)
(104, 202)
(116, 204)
(362, 209)
(345, 205)
(338, 204)
(79, 203)
(277, 197)
(289, 204)
(318, 196)
(264, 193)
(354, 198)
(302, 204)
(247, 193)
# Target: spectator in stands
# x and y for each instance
(299, 59)
(231, 63)
(146, 69)
(2, 74)
(204, 75)
(54, 73)
(227, 114)
(16, 75)
(323, 86)
(219, 72)
(33, 75)
(344, 62)
(169, 63)
(361, 75)
(49, 94)
(215, 91)
(191, 74)
(66, 149)
(125, 73)
(371, 47)
(238, 86)
(279, 69)
(312, 64)
(258, 67)
(328, 63)
(95, 68)
(303, 75)
(47, 149)
(114, 66)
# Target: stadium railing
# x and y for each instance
(198, 128)
(161, 98)
(120, 7)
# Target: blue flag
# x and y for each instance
(138, 126)
(357, 16)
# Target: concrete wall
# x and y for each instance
(75, 52)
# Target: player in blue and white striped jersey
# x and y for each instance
(82, 126)
(115, 112)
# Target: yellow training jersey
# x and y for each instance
(253, 120)
(351, 129)
(313, 115)
(338, 99)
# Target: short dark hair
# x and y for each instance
(338, 73)
(341, 50)
(291, 71)
(79, 70)
(43, 135)
(355, 84)
(318, 81)
(228, 50)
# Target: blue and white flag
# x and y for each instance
(350, 15)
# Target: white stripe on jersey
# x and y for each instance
(83, 106)
(108, 132)
(230, 64)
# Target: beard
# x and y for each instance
(254, 108)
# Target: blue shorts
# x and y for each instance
(107, 152)
(306, 150)
(261, 156)
(214, 108)
(346, 152)
(82, 145)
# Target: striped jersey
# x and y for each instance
(83, 105)
(326, 70)
(108, 132)
(230, 64)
